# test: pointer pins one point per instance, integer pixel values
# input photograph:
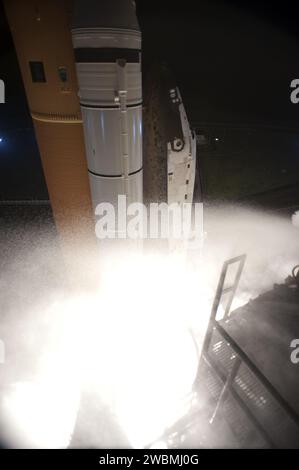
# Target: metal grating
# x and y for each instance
(211, 380)
(280, 427)
(221, 352)
(245, 431)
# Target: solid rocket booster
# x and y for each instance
(107, 45)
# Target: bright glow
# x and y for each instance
(42, 414)
(159, 445)
(129, 345)
(135, 348)
(1, 139)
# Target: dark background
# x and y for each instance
(233, 61)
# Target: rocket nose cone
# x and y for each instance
(105, 14)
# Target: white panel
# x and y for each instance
(99, 82)
(103, 143)
(95, 37)
(108, 189)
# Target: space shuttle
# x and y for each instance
(82, 72)
(98, 136)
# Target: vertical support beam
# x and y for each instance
(226, 388)
(122, 92)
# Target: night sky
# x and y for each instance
(233, 61)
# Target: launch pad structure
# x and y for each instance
(240, 398)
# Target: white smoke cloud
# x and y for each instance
(120, 339)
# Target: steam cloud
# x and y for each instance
(125, 344)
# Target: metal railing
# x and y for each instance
(239, 357)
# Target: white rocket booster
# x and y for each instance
(107, 45)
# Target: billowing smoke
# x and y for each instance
(115, 361)
(270, 242)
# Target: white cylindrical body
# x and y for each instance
(107, 46)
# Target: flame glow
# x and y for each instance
(130, 344)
